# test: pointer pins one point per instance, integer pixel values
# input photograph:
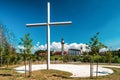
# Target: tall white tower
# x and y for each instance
(62, 44)
(81, 49)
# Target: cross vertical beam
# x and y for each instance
(48, 24)
(48, 35)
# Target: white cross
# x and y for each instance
(48, 30)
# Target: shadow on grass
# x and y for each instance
(6, 75)
(65, 77)
(5, 69)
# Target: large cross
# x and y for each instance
(48, 24)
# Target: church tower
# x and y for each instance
(62, 47)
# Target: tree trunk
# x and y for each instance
(30, 68)
(97, 70)
(91, 68)
(25, 66)
(1, 59)
(7, 63)
(109, 58)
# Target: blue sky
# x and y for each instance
(88, 17)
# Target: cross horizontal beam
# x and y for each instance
(52, 23)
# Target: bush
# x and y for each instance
(116, 59)
(86, 59)
(103, 59)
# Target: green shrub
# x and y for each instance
(116, 59)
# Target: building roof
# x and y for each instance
(74, 49)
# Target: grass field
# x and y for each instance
(10, 74)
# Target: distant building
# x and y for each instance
(75, 52)
(59, 53)
(79, 51)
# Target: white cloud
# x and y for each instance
(118, 48)
(78, 46)
(21, 47)
(38, 43)
(103, 49)
(43, 47)
(57, 46)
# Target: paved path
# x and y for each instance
(76, 70)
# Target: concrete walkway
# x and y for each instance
(76, 70)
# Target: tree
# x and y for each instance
(41, 54)
(1, 55)
(1, 44)
(109, 56)
(7, 53)
(27, 43)
(6, 43)
(95, 46)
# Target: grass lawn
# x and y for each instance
(9, 74)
